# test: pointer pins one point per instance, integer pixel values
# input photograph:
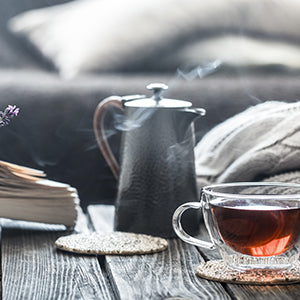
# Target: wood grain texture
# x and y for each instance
(168, 274)
(32, 268)
(253, 291)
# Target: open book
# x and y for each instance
(25, 194)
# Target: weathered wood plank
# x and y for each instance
(282, 292)
(158, 276)
(253, 291)
(33, 269)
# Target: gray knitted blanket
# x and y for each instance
(261, 143)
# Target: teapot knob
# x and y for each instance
(157, 89)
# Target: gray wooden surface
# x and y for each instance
(32, 268)
(159, 276)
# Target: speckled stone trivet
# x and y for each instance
(111, 243)
(217, 270)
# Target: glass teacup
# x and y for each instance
(254, 226)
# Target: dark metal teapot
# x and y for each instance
(157, 161)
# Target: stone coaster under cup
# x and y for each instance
(217, 270)
(111, 243)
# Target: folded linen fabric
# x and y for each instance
(260, 142)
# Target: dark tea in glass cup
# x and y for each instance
(254, 226)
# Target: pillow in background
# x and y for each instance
(104, 35)
(107, 35)
(240, 51)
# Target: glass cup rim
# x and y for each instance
(209, 190)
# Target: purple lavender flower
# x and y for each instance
(9, 112)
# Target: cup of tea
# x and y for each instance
(253, 225)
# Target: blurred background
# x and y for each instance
(58, 59)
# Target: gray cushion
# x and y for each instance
(116, 35)
(14, 53)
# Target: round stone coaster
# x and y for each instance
(218, 270)
(111, 243)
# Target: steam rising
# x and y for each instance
(200, 71)
(136, 119)
(139, 116)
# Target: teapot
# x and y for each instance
(156, 172)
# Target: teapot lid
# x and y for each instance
(156, 101)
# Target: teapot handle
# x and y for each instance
(98, 123)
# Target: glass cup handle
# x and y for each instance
(179, 230)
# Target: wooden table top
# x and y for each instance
(32, 268)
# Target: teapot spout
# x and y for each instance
(185, 119)
(196, 111)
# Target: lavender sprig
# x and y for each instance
(9, 112)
